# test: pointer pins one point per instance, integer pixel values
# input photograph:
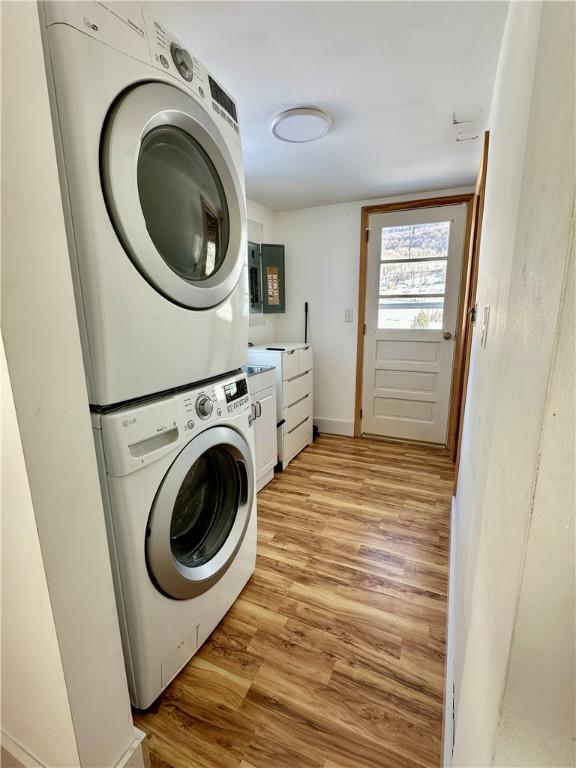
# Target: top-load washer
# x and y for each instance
(153, 191)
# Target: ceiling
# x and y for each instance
(391, 73)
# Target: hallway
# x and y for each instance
(333, 657)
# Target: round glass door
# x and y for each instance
(206, 507)
(174, 194)
(183, 202)
(200, 513)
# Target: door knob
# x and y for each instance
(447, 335)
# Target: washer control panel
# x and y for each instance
(217, 400)
(236, 394)
(204, 406)
(142, 433)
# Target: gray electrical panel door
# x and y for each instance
(273, 283)
(255, 277)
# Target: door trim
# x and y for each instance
(366, 211)
(468, 300)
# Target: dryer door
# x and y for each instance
(200, 513)
(174, 194)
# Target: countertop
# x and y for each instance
(254, 370)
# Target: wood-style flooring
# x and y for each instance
(333, 656)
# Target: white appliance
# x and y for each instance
(178, 484)
(153, 190)
(294, 364)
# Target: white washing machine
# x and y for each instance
(153, 191)
(178, 483)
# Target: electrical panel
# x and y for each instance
(266, 275)
(255, 278)
(273, 279)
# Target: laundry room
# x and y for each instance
(266, 352)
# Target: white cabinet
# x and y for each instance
(294, 393)
(262, 389)
(265, 436)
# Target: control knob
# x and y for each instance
(204, 407)
(183, 61)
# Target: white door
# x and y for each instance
(265, 432)
(412, 286)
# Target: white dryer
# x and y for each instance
(178, 484)
(153, 190)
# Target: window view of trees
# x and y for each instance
(405, 313)
(413, 275)
(427, 318)
(416, 241)
(408, 278)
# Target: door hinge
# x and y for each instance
(473, 312)
(367, 234)
(364, 329)
(361, 412)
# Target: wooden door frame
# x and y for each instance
(410, 205)
(468, 300)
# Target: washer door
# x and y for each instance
(200, 513)
(174, 195)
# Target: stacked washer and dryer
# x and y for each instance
(153, 191)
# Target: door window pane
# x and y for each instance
(183, 203)
(411, 313)
(412, 277)
(413, 264)
(416, 241)
(205, 508)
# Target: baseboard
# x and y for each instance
(335, 426)
(448, 721)
(264, 480)
(134, 757)
(15, 756)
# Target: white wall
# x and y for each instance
(263, 328)
(42, 344)
(33, 685)
(538, 714)
(509, 125)
(529, 198)
(322, 263)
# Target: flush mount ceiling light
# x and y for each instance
(301, 124)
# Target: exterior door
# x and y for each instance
(200, 513)
(412, 284)
(174, 195)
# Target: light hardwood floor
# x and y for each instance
(333, 656)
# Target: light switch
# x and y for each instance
(348, 315)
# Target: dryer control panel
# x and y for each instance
(138, 435)
(171, 55)
(127, 27)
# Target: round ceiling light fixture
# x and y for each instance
(301, 124)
